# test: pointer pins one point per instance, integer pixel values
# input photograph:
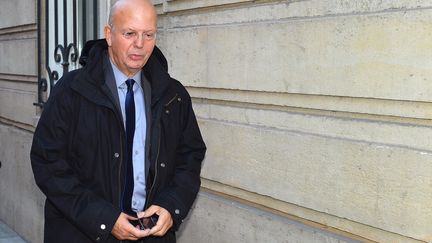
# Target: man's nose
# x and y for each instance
(139, 41)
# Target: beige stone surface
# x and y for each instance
(374, 56)
(11, 17)
(319, 220)
(17, 101)
(218, 220)
(21, 204)
(273, 10)
(21, 53)
(321, 105)
(392, 110)
(387, 187)
(379, 132)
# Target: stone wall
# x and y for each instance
(20, 200)
(315, 109)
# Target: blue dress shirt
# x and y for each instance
(138, 158)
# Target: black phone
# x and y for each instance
(149, 222)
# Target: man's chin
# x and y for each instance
(137, 66)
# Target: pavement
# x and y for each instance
(7, 235)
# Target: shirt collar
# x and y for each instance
(120, 77)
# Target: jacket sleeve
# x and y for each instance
(58, 180)
(182, 190)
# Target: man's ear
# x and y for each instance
(108, 34)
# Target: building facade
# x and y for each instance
(316, 113)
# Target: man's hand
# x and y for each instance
(164, 222)
(124, 230)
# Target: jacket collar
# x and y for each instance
(91, 80)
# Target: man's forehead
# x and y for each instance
(143, 6)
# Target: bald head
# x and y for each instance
(125, 5)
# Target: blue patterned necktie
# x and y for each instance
(130, 130)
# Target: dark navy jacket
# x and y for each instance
(78, 149)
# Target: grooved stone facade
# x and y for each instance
(317, 116)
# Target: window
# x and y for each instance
(63, 28)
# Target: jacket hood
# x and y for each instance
(155, 70)
(157, 53)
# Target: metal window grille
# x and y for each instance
(63, 28)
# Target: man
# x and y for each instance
(118, 140)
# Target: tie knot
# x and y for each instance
(130, 83)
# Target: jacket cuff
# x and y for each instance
(103, 223)
(177, 211)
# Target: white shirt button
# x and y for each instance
(177, 211)
(116, 155)
(162, 165)
(103, 226)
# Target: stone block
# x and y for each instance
(17, 105)
(21, 56)
(349, 56)
(251, 12)
(17, 12)
(21, 207)
(380, 185)
(387, 133)
(218, 220)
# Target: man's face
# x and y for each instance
(131, 38)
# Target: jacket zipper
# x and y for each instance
(119, 172)
(157, 158)
(121, 162)
(120, 167)
(156, 171)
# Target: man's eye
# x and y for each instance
(129, 34)
(150, 36)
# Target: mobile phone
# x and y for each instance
(148, 222)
